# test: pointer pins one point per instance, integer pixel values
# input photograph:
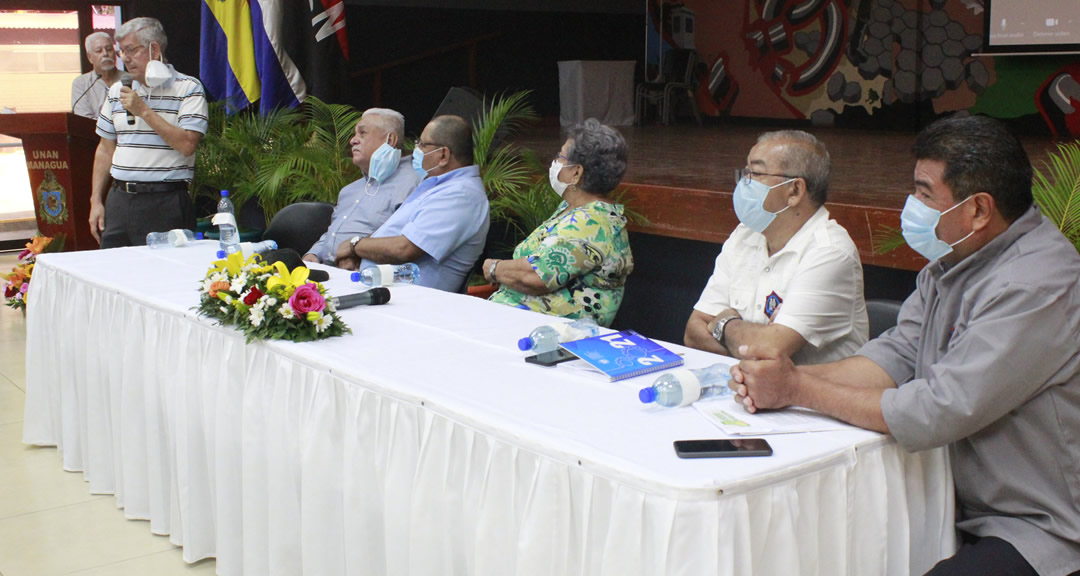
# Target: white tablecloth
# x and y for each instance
(422, 444)
(596, 89)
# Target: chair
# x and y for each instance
(676, 77)
(299, 226)
(882, 314)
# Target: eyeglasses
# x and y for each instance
(133, 52)
(749, 174)
(422, 144)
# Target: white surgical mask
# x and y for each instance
(553, 176)
(157, 73)
(749, 201)
(919, 225)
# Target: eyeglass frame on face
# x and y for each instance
(422, 144)
(565, 160)
(749, 174)
(134, 51)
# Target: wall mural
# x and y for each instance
(858, 61)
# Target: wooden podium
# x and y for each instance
(59, 150)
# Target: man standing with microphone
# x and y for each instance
(150, 126)
(89, 90)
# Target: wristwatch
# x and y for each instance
(491, 271)
(718, 329)
(352, 243)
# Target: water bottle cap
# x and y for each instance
(224, 192)
(355, 276)
(220, 253)
(271, 244)
(647, 395)
(526, 343)
(198, 235)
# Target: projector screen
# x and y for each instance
(1032, 26)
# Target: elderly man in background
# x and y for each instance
(443, 225)
(149, 133)
(984, 358)
(88, 91)
(388, 180)
(788, 276)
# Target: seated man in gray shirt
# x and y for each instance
(985, 358)
(388, 180)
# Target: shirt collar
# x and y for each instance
(994, 248)
(798, 241)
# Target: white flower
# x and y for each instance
(286, 311)
(256, 316)
(238, 283)
(323, 322)
(269, 300)
(330, 305)
(206, 285)
(218, 276)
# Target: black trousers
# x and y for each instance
(984, 557)
(130, 217)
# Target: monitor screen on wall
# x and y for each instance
(1032, 26)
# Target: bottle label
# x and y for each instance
(177, 238)
(691, 386)
(387, 272)
(223, 218)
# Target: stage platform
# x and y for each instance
(681, 178)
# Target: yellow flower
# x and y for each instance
(288, 280)
(314, 316)
(233, 263)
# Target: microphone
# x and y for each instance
(79, 99)
(126, 80)
(291, 259)
(374, 297)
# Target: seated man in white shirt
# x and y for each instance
(788, 276)
(388, 180)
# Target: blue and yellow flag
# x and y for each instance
(227, 63)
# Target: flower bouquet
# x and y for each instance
(268, 302)
(18, 281)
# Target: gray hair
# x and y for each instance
(806, 158)
(601, 152)
(96, 36)
(147, 31)
(389, 120)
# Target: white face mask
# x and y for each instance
(553, 177)
(157, 73)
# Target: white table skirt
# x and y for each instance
(422, 445)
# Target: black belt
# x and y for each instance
(149, 187)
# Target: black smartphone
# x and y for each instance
(733, 448)
(550, 358)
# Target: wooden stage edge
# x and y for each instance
(708, 216)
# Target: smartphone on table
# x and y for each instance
(550, 358)
(731, 448)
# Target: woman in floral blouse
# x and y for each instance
(576, 263)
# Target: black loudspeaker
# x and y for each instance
(469, 104)
(464, 102)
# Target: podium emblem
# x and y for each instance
(52, 200)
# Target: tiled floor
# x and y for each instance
(49, 522)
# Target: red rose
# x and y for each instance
(306, 299)
(253, 297)
(11, 291)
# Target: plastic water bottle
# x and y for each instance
(386, 274)
(175, 237)
(547, 338)
(685, 386)
(228, 238)
(248, 249)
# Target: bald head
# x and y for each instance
(454, 133)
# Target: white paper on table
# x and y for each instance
(732, 418)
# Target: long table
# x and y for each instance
(422, 444)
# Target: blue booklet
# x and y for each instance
(623, 354)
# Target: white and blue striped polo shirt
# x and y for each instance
(141, 154)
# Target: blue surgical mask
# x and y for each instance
(919, 225)
(384, 161)
(418, 161)
(749, 203)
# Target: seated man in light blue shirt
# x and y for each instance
(443, 224)
(365, 204)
